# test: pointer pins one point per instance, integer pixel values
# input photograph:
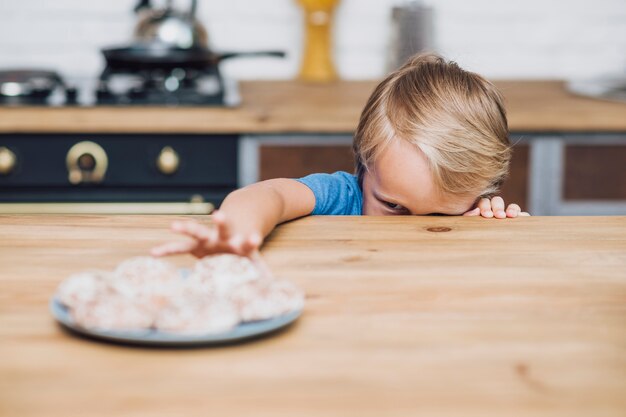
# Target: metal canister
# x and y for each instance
(412, 31)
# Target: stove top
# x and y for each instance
(118, 88)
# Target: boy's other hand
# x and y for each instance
(209, 240)
(495, 208)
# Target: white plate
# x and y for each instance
(158, 338)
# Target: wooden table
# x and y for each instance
(403, 317)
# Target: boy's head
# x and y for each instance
(432, 138)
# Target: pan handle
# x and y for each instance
(227, 55)
(143, 4)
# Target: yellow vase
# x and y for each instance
(317, 62)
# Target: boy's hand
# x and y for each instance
(495, 208)
(209, 240)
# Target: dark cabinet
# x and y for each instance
(117, 167)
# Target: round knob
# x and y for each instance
(86, 162)
(168, 161)
(7, 161)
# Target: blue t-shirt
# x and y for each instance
(336, 194)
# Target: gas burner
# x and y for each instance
(32, 87)
(23, 101)
(177, 86)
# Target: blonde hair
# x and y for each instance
(455, 117)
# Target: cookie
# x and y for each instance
(83, 288)
(112, 312)
(149, 281)
(266, 299)
(197, 315)
(225, 272)
(146, 270)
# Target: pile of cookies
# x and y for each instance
(144, 293)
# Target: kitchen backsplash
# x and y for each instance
(501, 39)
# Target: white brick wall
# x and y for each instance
(499, 38)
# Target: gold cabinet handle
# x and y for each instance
(86, 162)
(168, 161)
(7, 161)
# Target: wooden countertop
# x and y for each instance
(294, 107)
(520, 317)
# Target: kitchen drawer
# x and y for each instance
(132, 160)
(35, 168)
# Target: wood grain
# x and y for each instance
(299, 107)
(523, 317)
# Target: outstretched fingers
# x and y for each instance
(223, 230)
(251, 244)
(207, 240)
(173, 248)
(192, 229)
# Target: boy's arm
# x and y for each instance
(259, 207)
(245, 217)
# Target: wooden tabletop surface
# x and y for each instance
(523, 317)
(296, 107)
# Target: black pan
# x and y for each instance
(141, 57)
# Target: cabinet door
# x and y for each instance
(595, 172)
(298, 161)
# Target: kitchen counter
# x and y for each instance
(441, 316)
(271, 107)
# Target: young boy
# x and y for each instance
(432, 139)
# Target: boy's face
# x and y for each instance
(400, 183)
